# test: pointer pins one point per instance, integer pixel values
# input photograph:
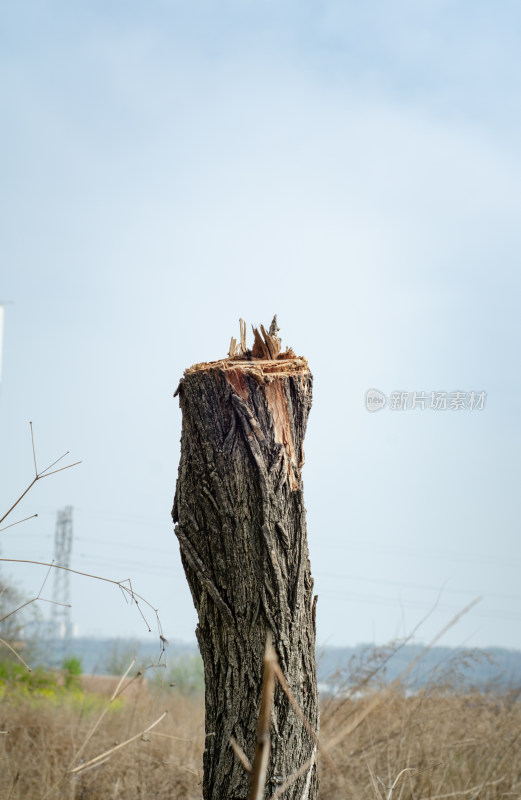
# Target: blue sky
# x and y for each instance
(171, 167)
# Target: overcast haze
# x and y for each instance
(169, 167)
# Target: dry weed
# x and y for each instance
(433, 744)
(438, 743)
(41, 736)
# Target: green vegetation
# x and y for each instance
(16, 680)
(185, 673)
(72, 672)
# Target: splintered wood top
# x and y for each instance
(265, 359)
(285, 364)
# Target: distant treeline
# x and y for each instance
(338, 667)
(455, 668)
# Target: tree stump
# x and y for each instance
(240, 521)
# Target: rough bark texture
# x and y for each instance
(241, 527)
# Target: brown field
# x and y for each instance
(435, 744)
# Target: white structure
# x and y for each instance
(61, 614)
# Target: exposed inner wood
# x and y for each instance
(266, 343)
(261, 368)
(235, 378)
(278, 405)
(269, 367)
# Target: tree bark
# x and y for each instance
(240, 521)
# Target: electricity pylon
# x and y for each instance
(61, 615)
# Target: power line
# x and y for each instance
(423, 586)
(417, 552)
(344, 543)
(423, 606)
(319, 575)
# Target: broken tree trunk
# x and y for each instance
(241, 526)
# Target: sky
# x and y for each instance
(171, 167)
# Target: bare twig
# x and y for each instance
(394, 650)
(241, 755)
(98, 722)
(125, 589)
(118, 746)
(96, 765)
(48, 474)
(54, 602)
(170, 736)
(45, 579)
(129, 591)
(292, 778)
(77, 755)
(15, 653)
(461, 792)
(289, 694)
(15, 781)
(18, 523)
(55, 462)
(374, 782)
(376, 700)
(392, 787)
(19, 608)
(20, 498)
(262, 747)
(34, 451)
(39, 475)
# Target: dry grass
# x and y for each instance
(435, 744)
(441, 745)
(42, 735)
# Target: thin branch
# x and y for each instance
(18, 523)
(34, 451)
(375, 784)
(396, 649)
(101, 716)
(20, 498)
(123, 688)
(120, 682)
(292, 778)
(98, 764)
(479, 787)
(118, 746)
(54, 602)
(130, 592)
(241, 755)
(15, 781)
(45, 579)
(169, 736)
(438, 636)
(15, 653)
(39, 475)
(27, 603)
(53, 463)
(134, 596)
(376, 700)
(392, 787)
(262, 747)
(89, 736)
(291, 697)
(59, 470)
